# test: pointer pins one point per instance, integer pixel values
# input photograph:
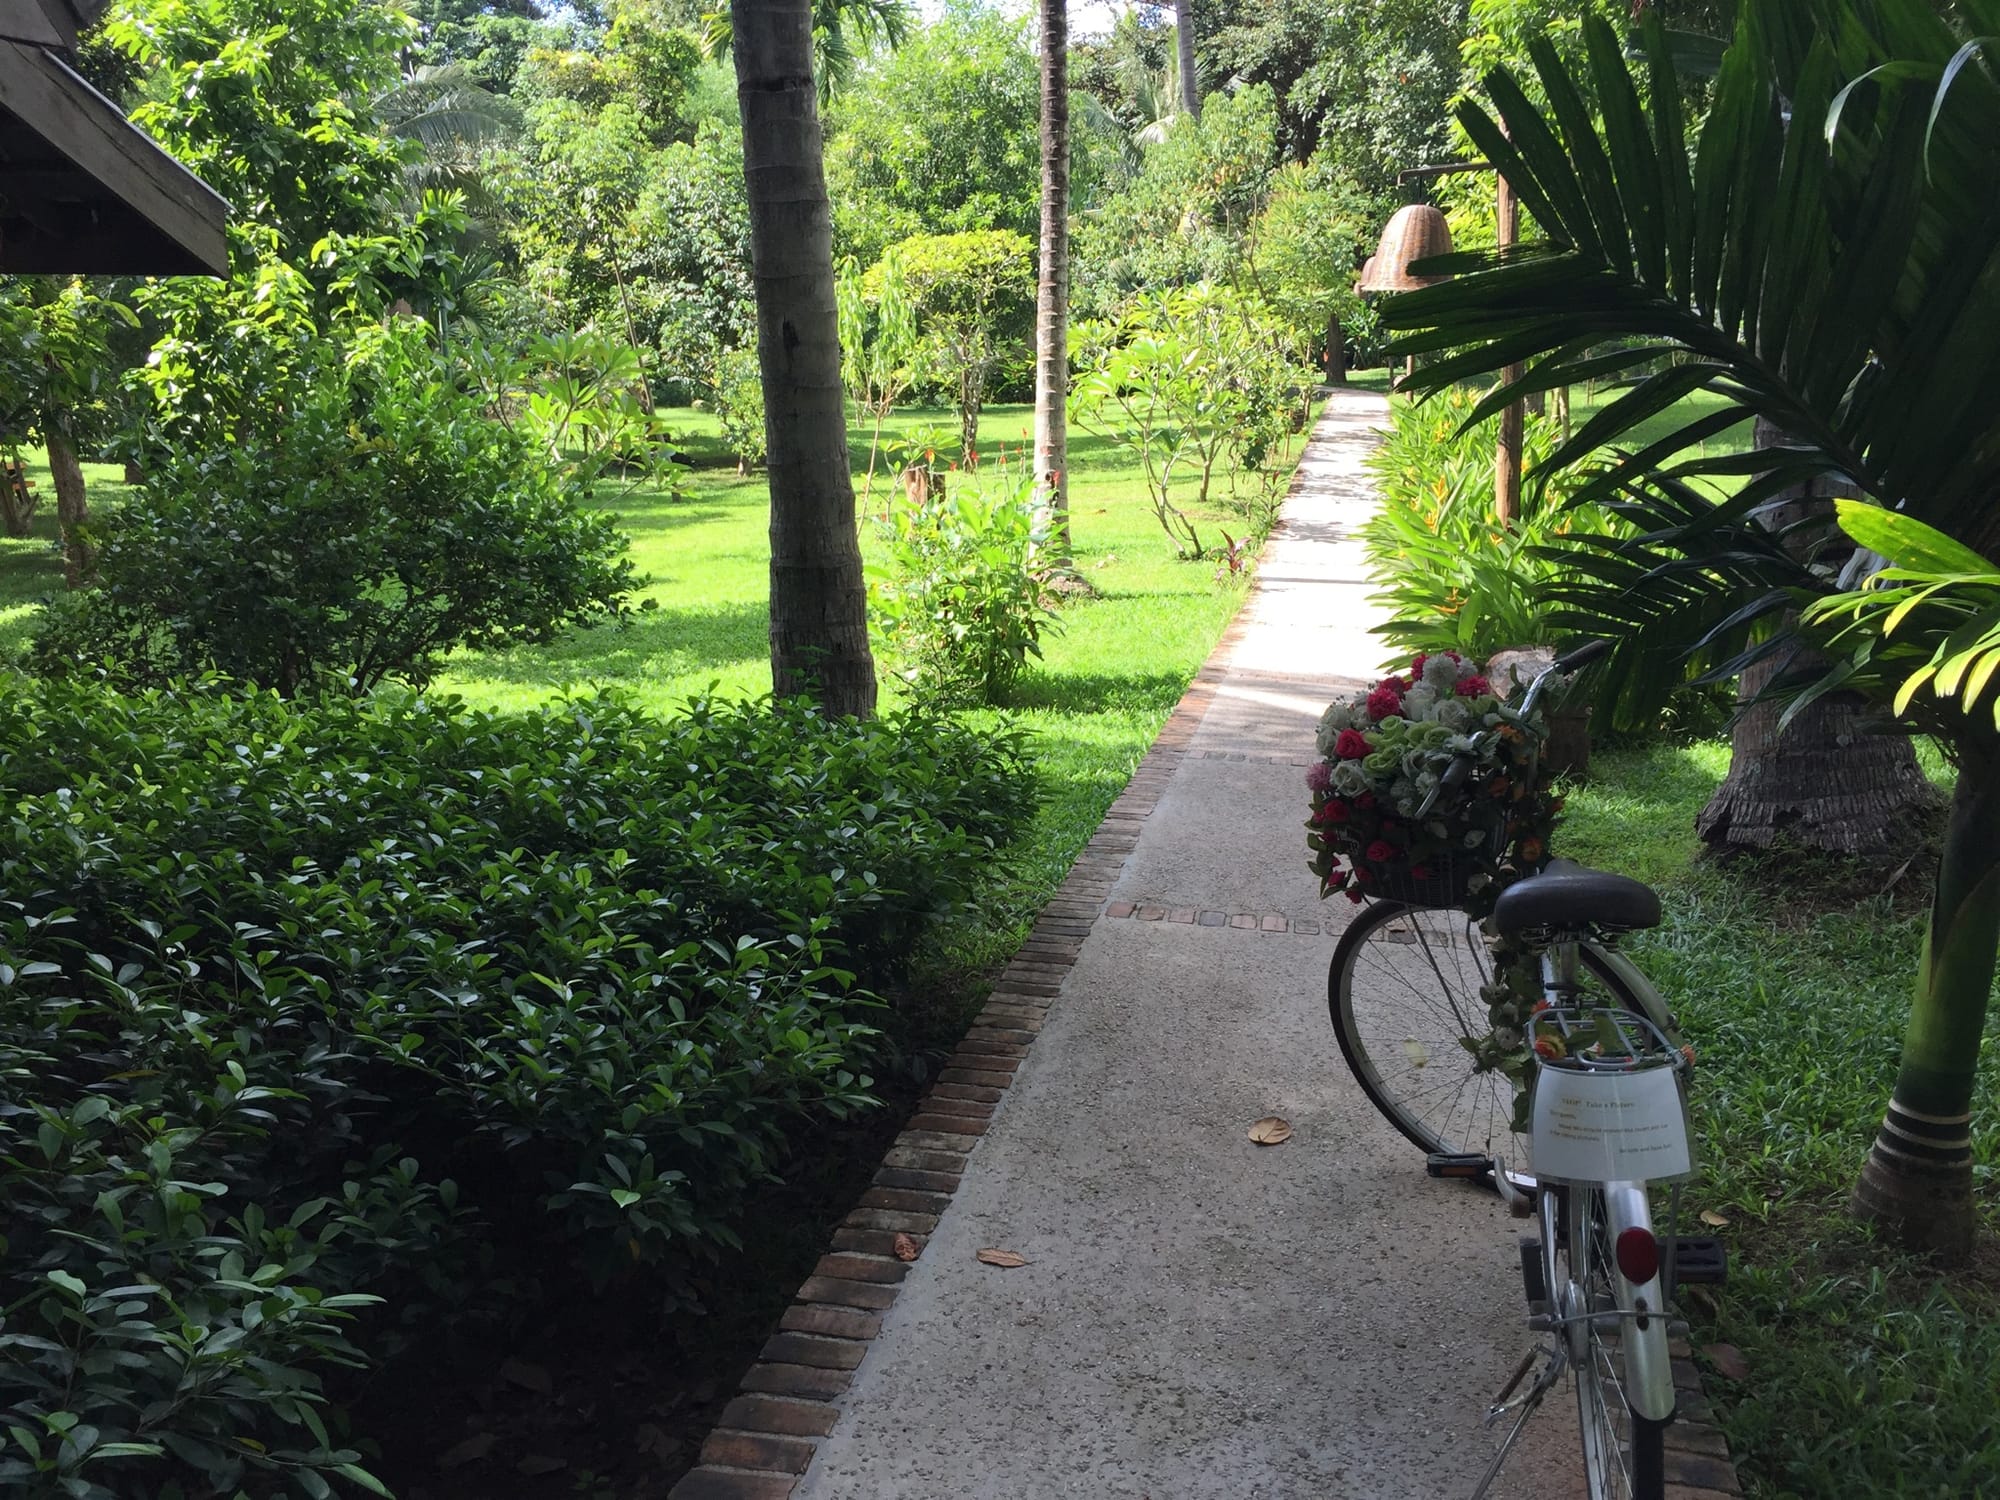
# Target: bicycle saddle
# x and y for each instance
(1565, 895)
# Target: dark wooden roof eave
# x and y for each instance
(83, 189)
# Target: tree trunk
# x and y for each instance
(1184, 46)
(819, 603)
(1336, 351)
(1052, 288)
(17, 501)
(1827, 782)
(72, 507)
(1917, 1184)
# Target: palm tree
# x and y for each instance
(1838, 278)
(1052, 288)
(1190, 78)
(819, 624)
(843, 31)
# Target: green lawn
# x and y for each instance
(1869, 1374)
(31, 566)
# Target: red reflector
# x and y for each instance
(1638, 1256)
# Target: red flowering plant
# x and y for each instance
(1384, 754)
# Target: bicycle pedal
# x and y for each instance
(1469, 1164)
(1702, 1258)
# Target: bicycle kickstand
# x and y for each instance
(1528, 1405)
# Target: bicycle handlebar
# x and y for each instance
(1566, 665)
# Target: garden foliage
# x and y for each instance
(959, 605)
(317, 521)
(304, 1005)
(1454, 578)
(1194, 382)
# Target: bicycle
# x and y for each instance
(1404, 990)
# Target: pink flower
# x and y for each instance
(1386, 699)
(1351, 745)
(1473, 687)
(1318, 776)
(1380, 852)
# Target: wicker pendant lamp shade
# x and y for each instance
(1416, 232)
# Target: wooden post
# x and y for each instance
(1507, 457)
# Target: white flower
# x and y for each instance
(1475, 838)
(1420, 702)
(1350, 778)
(1441, 674)
(1461, 744)
(1403, 792)
(1338, 716)
(1453, 714)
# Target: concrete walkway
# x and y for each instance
(1200, 1317)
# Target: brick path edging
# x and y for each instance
(769, 1433)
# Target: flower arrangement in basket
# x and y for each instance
(1385, 752)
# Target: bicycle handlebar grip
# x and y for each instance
(1581, 657)
(1453, 778)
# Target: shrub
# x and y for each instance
(1453, 577)
(1191, 381)
(739, 402)
(359, 518)
(960, 607)
(269, 971)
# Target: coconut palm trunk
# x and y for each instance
(1917, 1183)
(819, 624)
(1831, 779)
(1052, 289)
(1184, 50)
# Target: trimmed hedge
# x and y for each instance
(300, 1002)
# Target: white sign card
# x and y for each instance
(1610, 1126)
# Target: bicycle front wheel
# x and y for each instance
(1621, 1368)
(1403, 992)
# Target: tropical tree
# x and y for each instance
(819, 603)
(1840, 281)
(1052, 284)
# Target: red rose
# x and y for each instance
(1386, 699)
(1381, 851)
(1334, 811)
(1361, 876)
(1473, 687)
(1365, 801)
(1357, 898)
(1351, 745)
(1417, 664)
(1420, 872)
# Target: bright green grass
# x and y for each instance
(1869, 1374)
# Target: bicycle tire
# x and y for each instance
(1624, 1454)
(1402, 990)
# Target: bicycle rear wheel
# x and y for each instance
(1403, 991)
(1623, 1452)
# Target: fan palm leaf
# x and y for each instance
(1826, 256)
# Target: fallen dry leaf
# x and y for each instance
(1728, 1361)
(1005, 1259)
(530, 1377)
(1710, 1216)
(906, 1248)
(1271, 1131)
(470, 1451)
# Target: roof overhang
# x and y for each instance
(83, 189)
